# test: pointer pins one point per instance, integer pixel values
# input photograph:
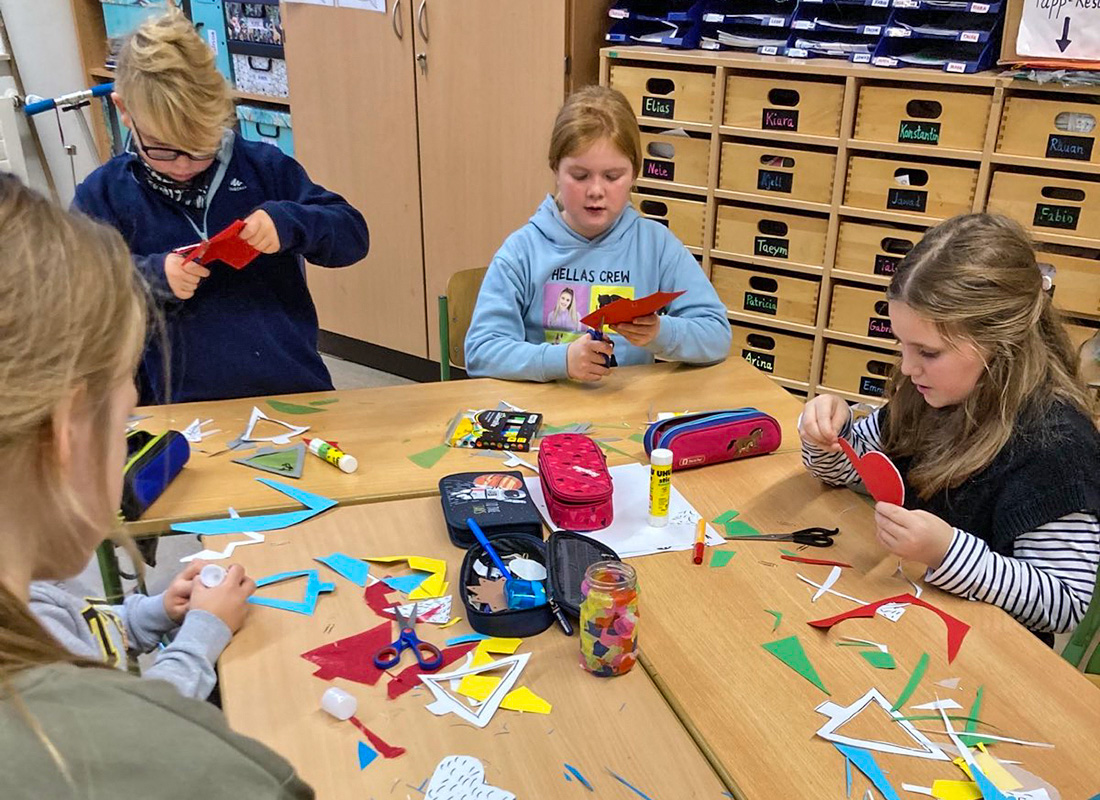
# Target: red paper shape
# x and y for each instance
(226, 246)
(352, 658)
(387, 750)
(879, 474)
(956, 628)
(822, 561)
(375, 596)
(407, 680)
(624, 310)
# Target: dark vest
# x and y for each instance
(1050, 467)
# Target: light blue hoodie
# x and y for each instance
(546, 276)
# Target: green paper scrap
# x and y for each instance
(719, 558)
(638, 437)
(429, 458)
(738, 528)
(914, 679)
(879, 659)
(548, 428)
(608, 448)
(284, 407)
(725, 517)
(975, 709)
(327, 402)
(790, 652)
(778, 618)
(787, 552)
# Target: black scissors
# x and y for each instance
(814, 537)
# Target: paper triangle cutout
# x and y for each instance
(480, 716)
(287, 461)
(314, 504)
(345, 566)
(282, 438)
(314, 587)
(839, 715)
(790, 652)
(367, 754)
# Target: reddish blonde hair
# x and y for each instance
(591, 114)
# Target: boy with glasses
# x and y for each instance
(185, 177)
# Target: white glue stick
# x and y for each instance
(338, 458)
(339, 703)
(660, 486)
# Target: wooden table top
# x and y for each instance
(702, 631)
(382, 427)
(269, 692)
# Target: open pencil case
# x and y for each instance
(499, 501)
(152, 462)
(575, 482)
(566, 556)
(712, 437)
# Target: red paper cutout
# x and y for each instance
(375, 597)
(406, 680)
(822, 561)
(625, 310)
(352, 658)
(879, 474)
(956, 628)
(387, 750)
(226, 246)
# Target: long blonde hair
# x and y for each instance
(976, 279)
(168, 78)
(72, 315)
(591, 114)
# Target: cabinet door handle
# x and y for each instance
(420, 20)
(422, 60)
(397, 29)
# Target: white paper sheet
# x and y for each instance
(839, 715)
(214, 555)
(463, 778)
(630, 534)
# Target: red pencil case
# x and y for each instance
(575, 482)
(714, 436)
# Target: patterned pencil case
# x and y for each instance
(152, 462)
(499, 501)
(575, 482)
(712, 437)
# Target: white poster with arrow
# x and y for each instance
(1062, 29)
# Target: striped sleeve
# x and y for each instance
(834, 468)
(1046, 584)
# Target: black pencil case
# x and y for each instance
(566, 556)
(152, 462)
(498, 500)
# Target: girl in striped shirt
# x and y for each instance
(989, 426)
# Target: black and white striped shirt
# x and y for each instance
(1046, 584)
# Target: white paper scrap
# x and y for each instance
(839, 715)
(462, 778)
(446, 703)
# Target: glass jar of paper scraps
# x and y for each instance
(609, 618)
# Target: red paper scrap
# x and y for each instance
(406, 680)
(352, 658)
(626, 310)
(226, 246)
(956, 628)
(375, 596)
(879, 474)
(387, 751)
(822, 561)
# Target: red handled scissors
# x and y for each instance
(427, 655)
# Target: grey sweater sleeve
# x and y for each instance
(188, 662)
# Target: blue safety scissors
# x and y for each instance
(427, 655)
(609, 361)
(814, 537)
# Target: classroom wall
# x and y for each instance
(43, 40)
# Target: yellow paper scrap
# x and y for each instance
(432, 586)
(992, 768)
(523, 699)
(956, 790)
(500, 646)
(427, 564)
(451, 622)
(479, 687)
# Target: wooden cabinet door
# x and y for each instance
(489, 85)
(353, 108)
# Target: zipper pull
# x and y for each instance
(562, 619)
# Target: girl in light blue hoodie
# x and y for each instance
(583, 250)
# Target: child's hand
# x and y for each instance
(259, 231)
(584, 361)
(177, 597)
(227, 601)
(641, 331)
(183, 275)
(912, 535)
(822, 420)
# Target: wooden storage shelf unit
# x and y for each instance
(861, 161)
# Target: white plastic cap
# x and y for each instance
(212, 575)
(339, 703)
(348, 464)
(660, 457)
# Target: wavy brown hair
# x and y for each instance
(976, 279)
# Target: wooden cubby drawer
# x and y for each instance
(857, 371)
(1076, 281)
(768, 294)
(783, 355)
(910, 187)
(860, 311)
(872, 249)
(1043, 203)
(745, 230)
(675, 159)
(1046, 128)
(921, 115)
(778, 172)
(666, 94)
(683, 217)
(774, 104)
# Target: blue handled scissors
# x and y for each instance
(609, 361)
(427, 655)
(814, 537)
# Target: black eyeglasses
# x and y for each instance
(167, 153)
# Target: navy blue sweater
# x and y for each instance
(244, 332)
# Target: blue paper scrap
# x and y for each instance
(865, 763)
(366, 755)
(629, 786)
(314, 504)
(314, 587)
(469, 637)
(354, 569)
(406, 583)
(576, 772)
(848, 776)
